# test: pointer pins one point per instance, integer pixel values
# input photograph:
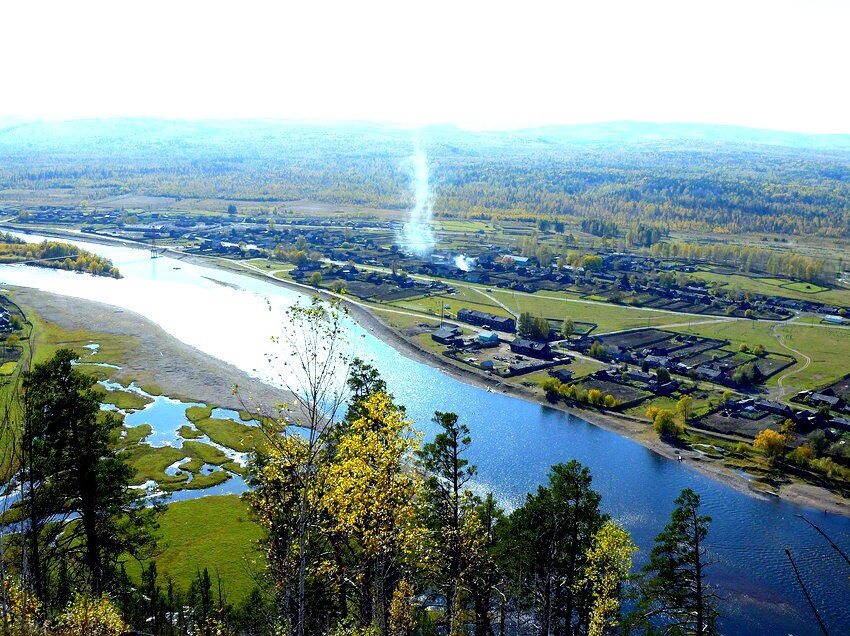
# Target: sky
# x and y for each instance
(780, 64)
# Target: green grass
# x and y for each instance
(124, 400)
(776, 287)
(150, 463)
(661, 402)
(206, 453)
(607, 317)
(135, 434)
(828, 348)
(187, 432)
(211, 532)
(806, 288)
(235, 435)
(8, 368)
(201, 481)
(195, 413)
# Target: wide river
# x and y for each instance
(514, 441)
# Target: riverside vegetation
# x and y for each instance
(364, 529)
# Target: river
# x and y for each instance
(514, 442)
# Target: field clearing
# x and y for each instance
(433, 304)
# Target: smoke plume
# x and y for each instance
(464, 262)
(417, 235)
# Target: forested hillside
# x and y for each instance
(706, 178)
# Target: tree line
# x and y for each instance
(750, 258)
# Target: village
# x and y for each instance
(633, 278)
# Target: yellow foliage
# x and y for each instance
(87, 616)
(770, 442)
(609, 561)
(401, 614)
(369, 493)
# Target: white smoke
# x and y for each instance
(464, 262)
(417, 235)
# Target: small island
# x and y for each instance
(55, 255)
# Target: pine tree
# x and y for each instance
(674, 595)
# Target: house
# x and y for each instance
(841, 423)
(665, 388)
(564, 375)
(483, 319)
(707, 373)
(771, 406)
(640, 376)
(489, 338)
(527, 366)
(820, 399)
(658, 361)
(446, 335)
(531, 348)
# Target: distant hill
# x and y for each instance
(695, 176)
(129, 134)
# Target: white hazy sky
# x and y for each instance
(781, 64)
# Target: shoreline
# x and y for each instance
(802, 494)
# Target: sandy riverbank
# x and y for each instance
(802, 494)
(157, 358)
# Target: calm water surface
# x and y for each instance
(514, 442)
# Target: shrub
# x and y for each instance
(802, 455)
(665, 424)
(743, 448)
(87, 616)
(552, 387)
(594, 396)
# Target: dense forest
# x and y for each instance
(702, 178)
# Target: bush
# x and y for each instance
(665, 424)
(743, 448)
(552, 387)
(801, 456)
(87, 616)
(595, 397)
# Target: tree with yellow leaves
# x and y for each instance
(369, 496)
(609, 561)
(771, 443)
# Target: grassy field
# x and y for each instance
(829, 349)
(212, 532)
(607, 317)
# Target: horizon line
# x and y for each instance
(14, 119)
